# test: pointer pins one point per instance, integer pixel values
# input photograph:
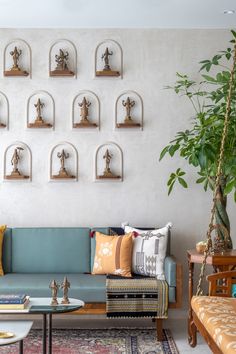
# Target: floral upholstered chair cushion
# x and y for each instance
(218, 315)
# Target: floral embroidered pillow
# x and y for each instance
(113, 255)
(149, 251)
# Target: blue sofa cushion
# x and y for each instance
(86, 287)
(50, 250)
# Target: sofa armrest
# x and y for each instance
(170, 270)
(174, 277)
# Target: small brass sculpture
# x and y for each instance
(105, 57)
(84, 112)
(107, 171)
(15, 174)
(62, 66)
(128, 121)
(15, 69)
(39, 121)
(107, 69)
(2, 125)
(54, 287)
(65, 285)
(128, 104)
(63, 173)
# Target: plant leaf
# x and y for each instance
(164, 151)
(182, 182)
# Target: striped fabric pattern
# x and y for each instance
(136, 297)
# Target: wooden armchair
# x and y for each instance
(214, 316)
(220, 284)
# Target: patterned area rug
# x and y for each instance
(98, 341)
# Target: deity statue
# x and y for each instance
(15, 56)
(54, 287)
(107, 171)
(128, 104)
(63, 156)
(105, 57)
(15, 160)
(39, 105)
(61, 60)
(84, 110)
(65, 285)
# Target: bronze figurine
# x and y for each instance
(128, 121)
(128, 104)
(107, 69)
(62, 66)
(84, 112)
(15, 69)
(39, 105)
(15, 56)
(107, 173)
(61, 60)
(63, 173)
(65, 285)
(54, 287)
(105, 57)
(39, 121)
(15, 174)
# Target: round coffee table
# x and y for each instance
(42, 306)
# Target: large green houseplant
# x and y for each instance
(200, 144)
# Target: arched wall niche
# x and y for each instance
(109, 59)
(108, 163)
(63, 59)
(40, 110)
(17, 59)
(63, 162)
(17, 162)
(86, 110)
(129, 110)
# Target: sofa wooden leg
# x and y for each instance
(159, 330)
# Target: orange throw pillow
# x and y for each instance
(113, 254)
(2, 230)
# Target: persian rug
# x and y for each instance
(98, 341)
(138, 296)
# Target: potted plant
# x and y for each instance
(200, 143)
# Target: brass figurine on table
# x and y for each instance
(107, 69)
(128, 121)
(39, 121)
(63, 173)
(15, 174)
(84, 112)
(15, 69)
(107, 173)
(54, 287)
(65, 285)
(2, 125)
(62, 64)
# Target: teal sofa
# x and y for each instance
(32, 257)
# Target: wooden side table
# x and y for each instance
(220, 262)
